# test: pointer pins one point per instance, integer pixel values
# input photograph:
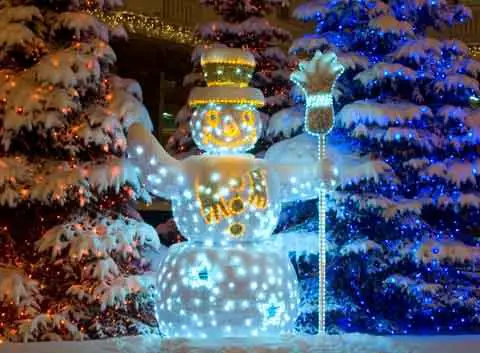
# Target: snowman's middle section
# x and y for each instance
(228, 198)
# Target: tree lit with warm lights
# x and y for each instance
(75, 257)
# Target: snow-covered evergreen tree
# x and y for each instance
(242, 24)
(403, 228)
(74, 264)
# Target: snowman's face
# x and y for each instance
(222, 129)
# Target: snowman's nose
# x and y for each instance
(230, 129)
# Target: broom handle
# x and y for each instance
(322, 253)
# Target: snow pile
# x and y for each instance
(289, 344)
(351, 343)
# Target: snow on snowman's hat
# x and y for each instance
(228, 67)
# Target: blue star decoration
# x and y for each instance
(272, 311)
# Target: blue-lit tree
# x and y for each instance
(403, 233)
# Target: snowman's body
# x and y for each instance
(229, 279)
(234, 291)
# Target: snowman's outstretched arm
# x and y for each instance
(162, 174)
(302, 181)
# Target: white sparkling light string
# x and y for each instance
(322, 251)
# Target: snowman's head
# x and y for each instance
(225, 126)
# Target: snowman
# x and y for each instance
(229, 279)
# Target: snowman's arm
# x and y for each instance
(163, 175)
(301, 181)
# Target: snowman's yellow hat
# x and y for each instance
(227, 67)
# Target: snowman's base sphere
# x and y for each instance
(226, 292)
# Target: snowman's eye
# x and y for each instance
(213, 118)
(248, 118)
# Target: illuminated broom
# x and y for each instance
(317, 78)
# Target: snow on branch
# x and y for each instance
(455, 171)
(454, 83)
(128, 109)
(473, 119)
(446, 250)
(20, 14)
(50, 182)
(412, 287)
(418, 50)
(353, 61)
(112, 292)
(98, 237)
(382, 114)
(15, 175)
(365, 169)
(128, 85)
(311, 11)
(417, 163)
(360, 246)
(451, 112)
(389, 24)
(49, 327)
(67, 68)
(252, 27)
(382, 71)
(286, 122)
(81, 24)
(101, 270)
(17, 288)
(469, 67)
(456, 47)
(417, 137)
(16, 34)
(311, 43)
(389, 208)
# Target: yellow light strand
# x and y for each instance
(149, 26)
(254, 102)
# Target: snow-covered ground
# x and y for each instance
(352, 343)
